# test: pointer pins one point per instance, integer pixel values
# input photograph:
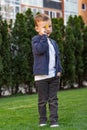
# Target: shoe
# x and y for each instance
(41, 125)
(54, 125)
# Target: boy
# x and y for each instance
(47, 69)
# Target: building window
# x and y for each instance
(23, 9)
(53, 15)
(50, 14)
(56, 0)
(16, 9)
(40, 11)
(83, 6)
(58, 15)
(34, 11)
(46, 12)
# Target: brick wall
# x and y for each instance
(82, 9)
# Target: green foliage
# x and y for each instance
(58, 35)
(19, 47)
(78, 49)
(30, 34)
(1, 66)
(76, 26)
(81, 22)
(30, 24)
(85, 52)
(69, 57)
(22, 59)
(0, 39)
(5, 54)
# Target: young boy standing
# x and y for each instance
(47, 69)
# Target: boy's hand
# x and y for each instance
(42, 32)
(59, 74)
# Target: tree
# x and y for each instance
(58, 35)
(76, 24)
(5, 54)
(22, 58)
(78, 50)
(18, 49)
(1, 65)
(69, 57)
(85, 53)
(30, 33)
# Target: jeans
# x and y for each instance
(47, 93)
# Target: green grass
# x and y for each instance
(20, 113)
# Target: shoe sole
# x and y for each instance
(41, 125)
(54, 126)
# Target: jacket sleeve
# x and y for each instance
(39, 44)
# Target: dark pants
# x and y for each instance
(47, 92)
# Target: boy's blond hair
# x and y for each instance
(41, 17)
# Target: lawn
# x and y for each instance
(20, 112)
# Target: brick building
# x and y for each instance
(82, 9)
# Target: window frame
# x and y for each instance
(84, 9)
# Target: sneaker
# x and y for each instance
(54, 125)
(41, 125)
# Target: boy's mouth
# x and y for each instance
(48, 34)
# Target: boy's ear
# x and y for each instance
(36, 28)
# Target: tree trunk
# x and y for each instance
(0, 91)
(16, 89)
(29, 88)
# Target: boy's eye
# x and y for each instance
(50, 26)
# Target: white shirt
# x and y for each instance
(51, 64)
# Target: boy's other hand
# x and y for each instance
(59, 74)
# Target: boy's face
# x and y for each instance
(44, 27)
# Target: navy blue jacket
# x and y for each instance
(41, 55)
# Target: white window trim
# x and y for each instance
(84, 6)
